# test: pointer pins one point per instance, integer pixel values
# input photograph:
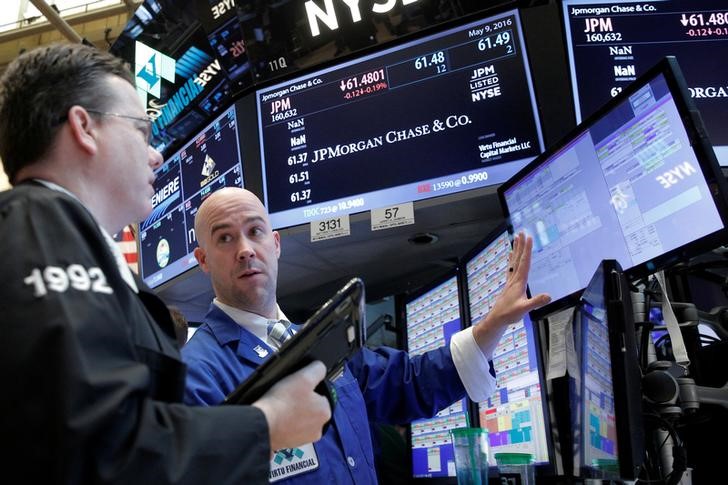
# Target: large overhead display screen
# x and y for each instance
(610, 43)
(445, 113)
(208, 162)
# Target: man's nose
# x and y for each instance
(245, 250)
(155, 158)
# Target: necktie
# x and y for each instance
(279, 331)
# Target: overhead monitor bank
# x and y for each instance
(206, 163)
(611, 43)
(448, 112)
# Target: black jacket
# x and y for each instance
(90, 382)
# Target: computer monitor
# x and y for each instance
(606, 394)
(515, 415)
(205, 164)
(440, 114)
(637, 182)
(188, 61)
(432, 317)
(609, 44)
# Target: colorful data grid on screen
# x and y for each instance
(599, 424)
(432, 319)
(208, 162)
(610, 43)
(513, 415)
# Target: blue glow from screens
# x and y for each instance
(628, 188)
(450, 112)
(432, 319)
(514, 414)
(205, 164)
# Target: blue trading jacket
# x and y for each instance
(383, 385)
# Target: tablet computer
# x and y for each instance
(331, 335)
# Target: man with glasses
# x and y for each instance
(91, 373)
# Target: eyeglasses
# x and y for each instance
(146, 130)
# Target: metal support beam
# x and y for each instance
(56, 21)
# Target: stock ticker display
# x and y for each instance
(449, 112)
(611, 43)
(208, 162)
(514, 414)
(432, 319)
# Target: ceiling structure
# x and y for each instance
(99, 26)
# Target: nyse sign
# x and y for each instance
(327, 14)
(221, 8)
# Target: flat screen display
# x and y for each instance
(448, 112)
(598, 429)
(514, 415)
(611, 43)
(189, 61)
(630, 184)
(206, 163)
(432, 319)
(605, 394)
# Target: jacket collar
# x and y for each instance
(226, 331)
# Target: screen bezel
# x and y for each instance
(669, 68)
(406, 299)
(542, 467)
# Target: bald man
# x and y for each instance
(240, 251)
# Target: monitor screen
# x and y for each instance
(610, 43)
(433, 317)
(515, 414)
(635, 182)
(189, 61)
(445, 113)
(206, 163)
(606, 395)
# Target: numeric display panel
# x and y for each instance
(449, 112)
(611, 43)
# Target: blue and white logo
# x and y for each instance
(150, 67)
(290, 462)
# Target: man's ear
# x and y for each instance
(201, 258)
(277, 239)
(84, 129)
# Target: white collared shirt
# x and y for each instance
(472, 365)
(252, 322)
